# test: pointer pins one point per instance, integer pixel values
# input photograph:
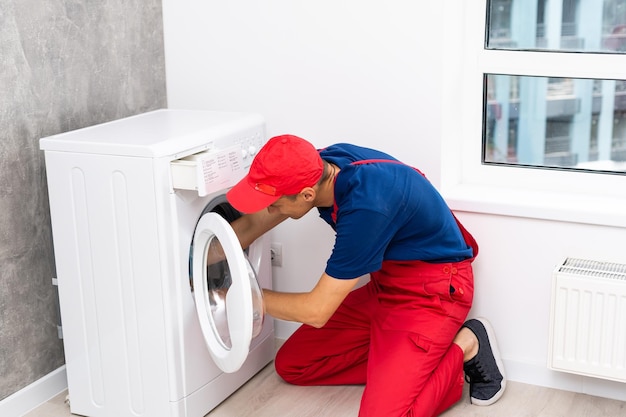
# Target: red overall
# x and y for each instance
(394, 335)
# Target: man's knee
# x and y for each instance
(286, 366)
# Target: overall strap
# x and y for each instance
(469, 239)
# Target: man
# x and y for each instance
(403, 334)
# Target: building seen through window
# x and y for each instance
(557, 25)
(556, 122)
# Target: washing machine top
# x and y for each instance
(159, 133)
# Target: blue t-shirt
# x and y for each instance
(386, 211)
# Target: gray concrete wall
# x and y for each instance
(64, 64)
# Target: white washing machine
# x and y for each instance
(160, 307)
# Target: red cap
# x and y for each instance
(284, 166)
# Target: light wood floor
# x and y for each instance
(267, 396)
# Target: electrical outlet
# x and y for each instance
(276, 250)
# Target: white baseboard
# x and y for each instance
(539, 374)
(35, 394)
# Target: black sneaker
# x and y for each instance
(484, 372)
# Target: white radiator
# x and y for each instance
(588, 319)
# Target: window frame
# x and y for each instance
(469, 185)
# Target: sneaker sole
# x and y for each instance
(491, 334)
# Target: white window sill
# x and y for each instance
(538, 204)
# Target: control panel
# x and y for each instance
(221, 166)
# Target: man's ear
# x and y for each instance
(308, 193)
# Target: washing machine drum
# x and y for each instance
(227, 294)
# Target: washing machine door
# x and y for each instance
(228, 299)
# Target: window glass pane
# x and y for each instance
(557, 25)
(569, 123)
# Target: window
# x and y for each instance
(540, 87)
(555, 122)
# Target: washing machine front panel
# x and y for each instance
(228, 299)
(198, 384)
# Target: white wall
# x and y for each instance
(329, 71)
(357, 71)
(370, 72)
